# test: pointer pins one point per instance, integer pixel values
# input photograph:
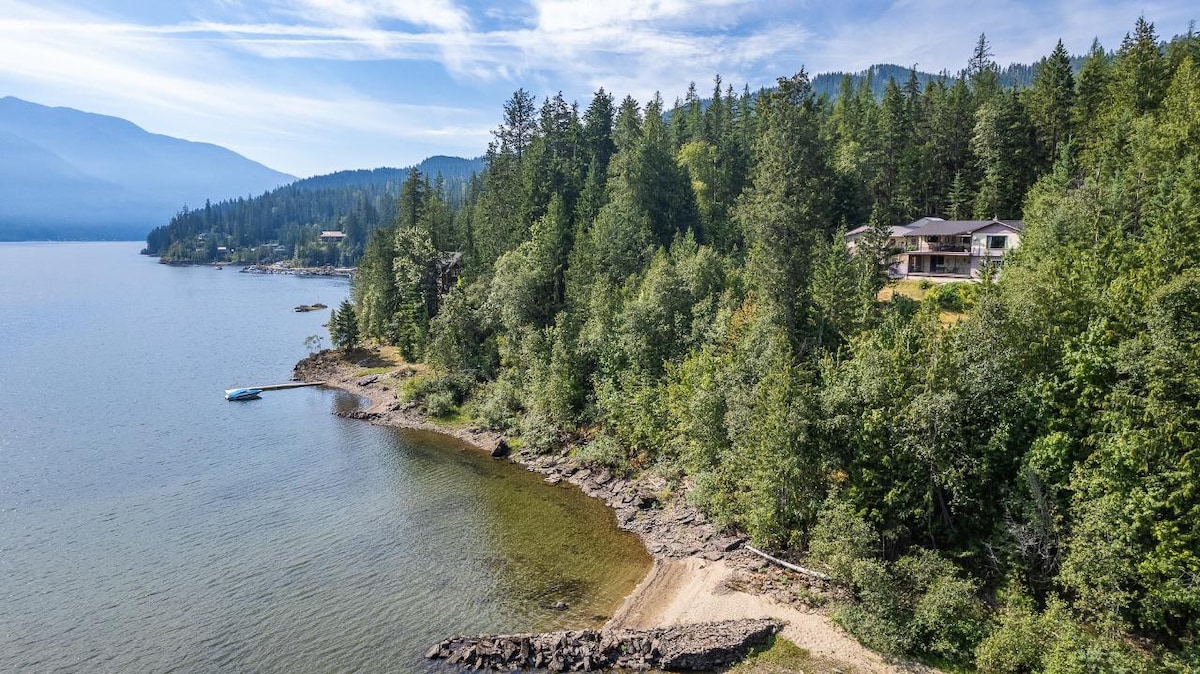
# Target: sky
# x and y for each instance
(314, 86)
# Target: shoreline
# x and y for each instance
(698, 575)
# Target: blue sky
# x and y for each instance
(315, 86)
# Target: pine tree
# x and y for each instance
(787, 209)
(343, 326)
(1051, 100)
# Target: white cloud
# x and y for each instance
(438, 14)
(195, 89)
(270, 70)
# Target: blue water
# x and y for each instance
(146, 524)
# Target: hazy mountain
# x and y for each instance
(452, 170)
(66, 174)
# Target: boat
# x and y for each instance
(242, 393)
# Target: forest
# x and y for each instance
(285, 223)
(669, 290)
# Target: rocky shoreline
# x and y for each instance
(679, 537)
(698, 647)
(670, 529)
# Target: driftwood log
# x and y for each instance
(788, 565)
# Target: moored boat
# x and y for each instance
(242, 393)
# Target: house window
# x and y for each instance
(997, 242)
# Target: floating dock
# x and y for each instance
(251, 392)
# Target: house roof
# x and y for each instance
(333, 233)
(936, 227)
(896, 230)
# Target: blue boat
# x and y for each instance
(242, 393)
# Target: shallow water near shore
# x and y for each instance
(146, 524)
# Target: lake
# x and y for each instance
(146, 524)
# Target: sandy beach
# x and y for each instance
(698, 575)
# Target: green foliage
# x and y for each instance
(343, 326)
(956, 297)
(439, 395)
(1027, 640)
(676, 296)
(918, 604)
(841, 539)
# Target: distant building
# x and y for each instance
(946, 249)
(332, 236)
(449, 268)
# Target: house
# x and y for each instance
(947, 249)
(332, 236)
(449, 268)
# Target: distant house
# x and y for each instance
(449, 268)
(332, 236)
(946, 249)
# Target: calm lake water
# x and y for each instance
(146, 524)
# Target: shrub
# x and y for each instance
(840, 539)
(498, 406)
(439, 403)
(1053, 641)
(918, 604)
(605, 450)
(540, 434)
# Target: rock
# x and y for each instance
(728, 544)
(698, 647)
(368, 380)
(553, 479)
(560, 606)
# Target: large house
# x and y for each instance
(947, 249)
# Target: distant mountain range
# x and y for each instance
(67, 174)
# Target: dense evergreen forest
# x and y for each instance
(1017, 490)
(285, 223)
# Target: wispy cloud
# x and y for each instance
(183, 79)
(283, 77)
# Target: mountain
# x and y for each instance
(451, 169)
(67, 174)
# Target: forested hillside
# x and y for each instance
(1018, 490)
(293, 216)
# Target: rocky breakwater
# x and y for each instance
(699, 647)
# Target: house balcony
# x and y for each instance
(952, 248)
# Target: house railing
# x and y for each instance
(947, 247)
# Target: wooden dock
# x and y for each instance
(251, 392)
(280, 387)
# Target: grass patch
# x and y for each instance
(454, 418)
(785, 657)
(910, 288)
(367, 371)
